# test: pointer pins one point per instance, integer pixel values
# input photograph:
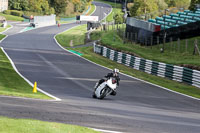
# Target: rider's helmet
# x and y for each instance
(116, 71)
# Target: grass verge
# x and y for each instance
(11, 84)
(164, 82)
(170, 57)
(3, 29)
(74, 36)
(11, 17)
(2, 36)
(92, 8)
(34, 126)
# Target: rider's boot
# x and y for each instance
(113, 93)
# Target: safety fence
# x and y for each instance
(177, 73)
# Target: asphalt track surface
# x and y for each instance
(138, 107)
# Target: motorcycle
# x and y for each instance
(105, 88)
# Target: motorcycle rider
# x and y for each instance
(114, 74)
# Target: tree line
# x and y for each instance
(140, 7)
(59, 7)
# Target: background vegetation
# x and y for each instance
(46, 7)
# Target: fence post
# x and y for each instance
(178, 44)
(158, 42)
(127, 35)
(186, 45)
(132, 37)
(171, 45)
(136, 37)
(196, 48)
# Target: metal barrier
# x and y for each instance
(176, 73)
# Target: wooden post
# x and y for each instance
(158, 42)
(136, 37)
(186, 45)
(178, 44)
(151, 42)
(196, 48)
(171, 48)
(132, 37)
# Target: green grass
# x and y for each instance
(11, 17)
(164, 82)
(9, 125)
(76, 34)
(170, 57)
(2, 36)
(116, 9)
(92, 8)
(12, 84)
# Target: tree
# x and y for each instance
(193, 4)
(59, 6)
(171, 3)
(143, 6)
(18, 5)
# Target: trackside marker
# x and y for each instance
(35, 88)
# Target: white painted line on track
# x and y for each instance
(14, 67)
(105, 131)
(94, 10)
(123, 73)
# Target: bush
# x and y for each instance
(8, 12)
(16, 13)
(118, 18)
(13, 12)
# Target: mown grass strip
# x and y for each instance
(72, 37)
(92, 8)
(11, 17)
(2, 36)
(9, 125)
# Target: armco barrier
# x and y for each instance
(177, 73)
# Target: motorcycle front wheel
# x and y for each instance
(103, 92)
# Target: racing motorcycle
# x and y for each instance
(106, 88)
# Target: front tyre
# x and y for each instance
(103, 93)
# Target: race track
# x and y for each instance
(138, 107)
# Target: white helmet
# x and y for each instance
(116, 70)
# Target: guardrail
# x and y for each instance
(177, 73)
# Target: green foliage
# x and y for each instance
(171, 3)
(59, 6)
(16, 13)
(18, 4)
(118, 18)
(13, 12)
(8, 12)
(143, 6)
(193, 4)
